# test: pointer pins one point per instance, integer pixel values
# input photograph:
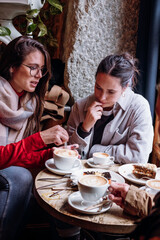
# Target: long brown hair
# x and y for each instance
(13, 56)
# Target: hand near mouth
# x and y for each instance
(94, 113)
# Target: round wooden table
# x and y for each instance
(113, 221)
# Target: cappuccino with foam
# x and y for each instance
(92, 187)
(65, 159)
(102, 158)
(154, 184)
(66, 152)
(101, 154)
(93, 180)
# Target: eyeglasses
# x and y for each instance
(34, 70)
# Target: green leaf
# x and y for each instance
(54, 11)
(30, 21)
(4, 31)
(43, 29)
(32, 13)
(56, 4)
(31, 28)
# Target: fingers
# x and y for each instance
(94, 113)
(56, 135)
(61, 135)
(118, 200)
(118, 186)
(97, 104)
(60, 139)
(54, 148)
(74, 146)
(98, 115)
(115, 199)
(119, 189)
(96, 107)
(62, 132)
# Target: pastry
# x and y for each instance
(145, 170)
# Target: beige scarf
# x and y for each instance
(14, 113)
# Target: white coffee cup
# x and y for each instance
(92, 187)
(102, 158)
(65, 159)
(153, 184)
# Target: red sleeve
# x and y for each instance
(28, 153)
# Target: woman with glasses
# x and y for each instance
(24, 75)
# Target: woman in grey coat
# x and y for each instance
(113, 119)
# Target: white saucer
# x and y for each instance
(75, 201)
(92, 164)
(149, 190)
(51, 167)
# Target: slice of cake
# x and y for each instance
(145, 170)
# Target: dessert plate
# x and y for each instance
(126, 171)
(92, 164)
(52, 168)
(76, 202)
(115, 177)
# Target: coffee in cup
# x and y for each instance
(92, 187)
(65, 159)
(154, 184)
(102, 158)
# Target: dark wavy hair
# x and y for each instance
(122, 66)
(13, 56)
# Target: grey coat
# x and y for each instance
(128, 137)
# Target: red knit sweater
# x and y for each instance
(27, 153)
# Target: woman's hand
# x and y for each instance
(56, 135)
(94, 113)
(118, 192)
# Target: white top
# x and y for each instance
(128, 137)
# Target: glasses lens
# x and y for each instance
(35, 71)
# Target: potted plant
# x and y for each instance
(38, 23)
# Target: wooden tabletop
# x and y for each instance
(113, 221)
